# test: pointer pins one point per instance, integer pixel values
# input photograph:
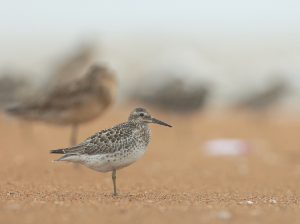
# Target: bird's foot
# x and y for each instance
(123, 195)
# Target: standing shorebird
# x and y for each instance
(75, 102)
(113, 148)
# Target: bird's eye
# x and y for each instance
(141, 114)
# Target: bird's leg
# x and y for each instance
(74, 134)
(114, 176)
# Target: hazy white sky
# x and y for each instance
(59, 22)
(32, 33)
(215, 16)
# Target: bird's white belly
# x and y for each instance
(118, 160)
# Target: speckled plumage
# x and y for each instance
(115, 147)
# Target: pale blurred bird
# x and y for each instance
(75, 102)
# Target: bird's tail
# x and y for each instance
(58, 151)
(70, 153)
(77, 149)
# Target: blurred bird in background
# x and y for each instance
(71, 103)
(14, 89)
(176, 81)
(176, 96)
(262, 100)
(75, 64)
(18, 87)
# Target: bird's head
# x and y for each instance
(142, 116)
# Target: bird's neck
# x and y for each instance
(138, 125)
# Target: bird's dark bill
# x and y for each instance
(160, 122)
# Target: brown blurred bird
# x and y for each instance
(80, 100)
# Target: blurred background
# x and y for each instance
(233, 51)
(224, 74)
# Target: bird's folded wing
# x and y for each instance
(106, 141)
